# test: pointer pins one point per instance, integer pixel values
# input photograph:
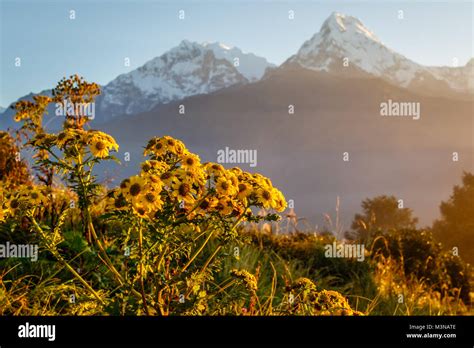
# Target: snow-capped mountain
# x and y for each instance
(2, 109)
(344, 41)
(458, 78)
(186, 70)
(192, 68)
(248, 64)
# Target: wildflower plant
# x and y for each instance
(155, 227)
(173, 208)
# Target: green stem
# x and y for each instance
(140, 254)
(198, 251)
(63, 262)
(211, 258)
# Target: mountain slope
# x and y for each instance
(343, 41)
(249, 65)
(302, 153)
(186, 70)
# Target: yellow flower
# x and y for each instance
(65, 136)
(190, 161)
(191, 177)
(244, 190)
(159, 147)
(245, 176)
(247, 278)
(173, 145)
(265, 198)
(225, 206)
(13, 204)
(156, 147)
(263, 181)
(43, 139)
(225, 187)
(36, 197)
(280, 201)
(214, 169)
(237, 171)
(101, 143)
(116, 201)
(3, 214)
(154, 181)
(232, 177)
(152, 201)
(207, 204)
(168, 178)
(141, 211)
(99, 149)
(136, 187)
(154, 166)
(183, 192)
(124, 186)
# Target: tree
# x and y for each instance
(455, 228)
(13, 170)
(380, 215)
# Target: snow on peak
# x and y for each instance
(217, 46)
(340, 23)
(188, 69)
(344, 39)
(248, 64)
(185, 70)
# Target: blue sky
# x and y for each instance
(94, 45)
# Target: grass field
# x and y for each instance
(189, 238)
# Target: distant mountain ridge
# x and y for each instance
(186, 70)
(303, 152)
(343, 41)
(342, 46)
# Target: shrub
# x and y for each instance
(421, 257)
(141, 245)
(13, 170)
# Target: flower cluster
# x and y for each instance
(23, 197)
(247, 278)
(307, 300)
(15, 203)
(73, 141)
(173, 176)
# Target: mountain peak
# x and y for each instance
(344, 38)
(248, 64)
(342, 35)
(217, 45)
(185, 70)
(335, 20)
(338, 24)
(343, 41)
(187, 44)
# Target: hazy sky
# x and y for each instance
(94, 45)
